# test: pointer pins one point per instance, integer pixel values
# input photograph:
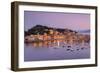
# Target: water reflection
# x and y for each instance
(56, 43)
(46, 43)
(56, 50)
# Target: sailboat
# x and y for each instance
(58, 45)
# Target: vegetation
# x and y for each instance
(39, 29)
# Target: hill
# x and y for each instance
(40, 29)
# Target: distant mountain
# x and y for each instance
(40, 29)
(84, 31)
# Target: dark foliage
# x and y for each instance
(39, 29)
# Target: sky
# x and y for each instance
(74, 21)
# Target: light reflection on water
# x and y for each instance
(55, 50)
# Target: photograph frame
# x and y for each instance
(15, 33)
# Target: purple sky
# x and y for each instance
(75, 21)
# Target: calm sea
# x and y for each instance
(55, 52)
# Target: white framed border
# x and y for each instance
(33, 64)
